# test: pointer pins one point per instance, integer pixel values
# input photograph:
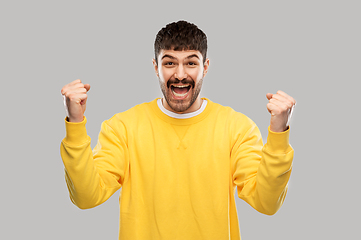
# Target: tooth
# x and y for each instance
(179, 95)
(182, 86)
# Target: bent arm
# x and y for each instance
(261, 173)
(91, 176)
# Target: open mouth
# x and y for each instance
(180, 91)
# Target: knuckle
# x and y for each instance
(292, 102)
(276, 111)
(72, 96)
(289, 104)
(67, 94)
(78, 85)
(65, 87)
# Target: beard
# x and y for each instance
(180, 106)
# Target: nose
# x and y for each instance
(180, 73)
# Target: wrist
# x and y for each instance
(75, 119)
(278, 129)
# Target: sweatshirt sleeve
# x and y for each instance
(92, 176)
(261, 173)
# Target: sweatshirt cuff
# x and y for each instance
(278, 142)
(76, 133)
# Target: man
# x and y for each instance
(180, 158)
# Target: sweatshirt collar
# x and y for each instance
(182, 121)
(184, 115)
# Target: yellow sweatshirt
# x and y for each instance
(178, 176)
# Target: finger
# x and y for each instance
(77, 85)
(279, 97)
(76, 88)
(287, 96)
(80, 85)
(280, 105)
(74, 91)
(272, 108)
(87, 87)
(283, 99)
(75, 82)
(269, 96)
(76, 97)
(69, 86)
(83, 98)
(64, 89)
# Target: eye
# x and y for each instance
(192, 63)
(168, 63)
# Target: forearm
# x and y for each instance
(86, 188)
(274, 172)
(264, 185)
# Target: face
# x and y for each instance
(180, 76)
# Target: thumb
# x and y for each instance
(269, 96)
(87, 87)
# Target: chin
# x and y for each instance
(178, 105)
(181, 96)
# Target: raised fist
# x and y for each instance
(75, 98)
(280, 106)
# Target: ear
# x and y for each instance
(155, 67)
(205, 67)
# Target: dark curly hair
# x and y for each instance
(180, 36)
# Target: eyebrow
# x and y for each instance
(188, 57)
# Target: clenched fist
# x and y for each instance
(280, 106)
(75, 96)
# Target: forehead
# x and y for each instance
(180, 55)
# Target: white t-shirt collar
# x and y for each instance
(181, 115)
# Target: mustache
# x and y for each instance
(183, 81)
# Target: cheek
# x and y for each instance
(164, 75)
(198, 74)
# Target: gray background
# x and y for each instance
(309, 49)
